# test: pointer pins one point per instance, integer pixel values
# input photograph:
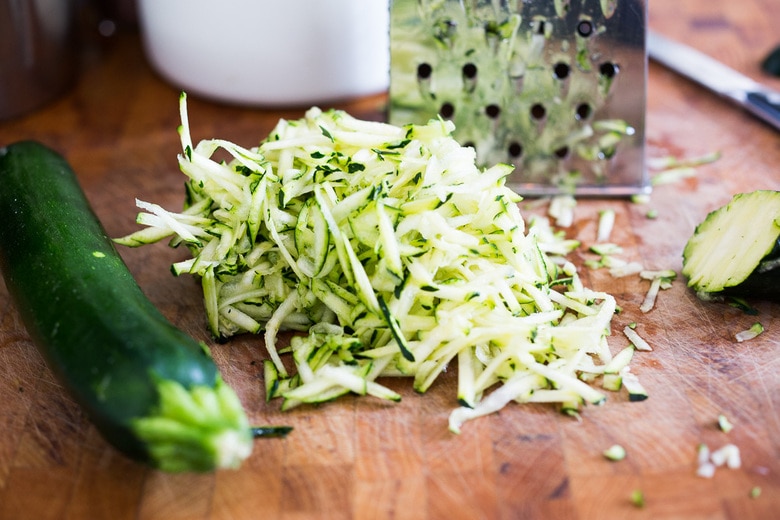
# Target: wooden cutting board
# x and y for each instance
(360, 458)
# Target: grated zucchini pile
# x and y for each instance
(394, 255)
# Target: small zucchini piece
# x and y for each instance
(615, 453)
(151, 390)
(636, 391)
(735, 251)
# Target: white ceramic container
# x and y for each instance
(269, 52)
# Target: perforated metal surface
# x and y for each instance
(556, 88)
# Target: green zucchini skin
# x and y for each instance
(107, 344)
(764, 282)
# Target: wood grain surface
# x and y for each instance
(358, 458)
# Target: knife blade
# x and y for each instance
(758, 99)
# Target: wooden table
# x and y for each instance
(357, 458)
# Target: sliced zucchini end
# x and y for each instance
(731, 241)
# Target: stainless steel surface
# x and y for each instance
(538, 85)
(714, 75)
(38, 55)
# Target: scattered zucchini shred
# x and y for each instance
(669, 161)
(615, 453)
(605, 224)
(562, 210)
(270, 431)
(392, 254)
(708, 461)
(754, 331)
(727, 455)
(636, 340)
(724, 424)
(672, 175)
(640, 198)
(659, 280)
(636, 391)
(638, 498)
(671, 169)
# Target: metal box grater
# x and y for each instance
(556, 87)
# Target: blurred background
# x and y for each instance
(247, 52)
(43, 46)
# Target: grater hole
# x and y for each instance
(561, 70)
(562, 152)
(469, 71)
(538, 111)
(515, 149)
(608, 69)
(493, 111)
(447, 110)
(540, 26)
(583, 111)
(424, 70)
(584, 28)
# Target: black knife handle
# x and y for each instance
(766, 106)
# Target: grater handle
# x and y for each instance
(757, 99)
(764, 105)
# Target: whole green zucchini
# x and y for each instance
(151, 390)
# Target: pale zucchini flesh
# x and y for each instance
(426, 263)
